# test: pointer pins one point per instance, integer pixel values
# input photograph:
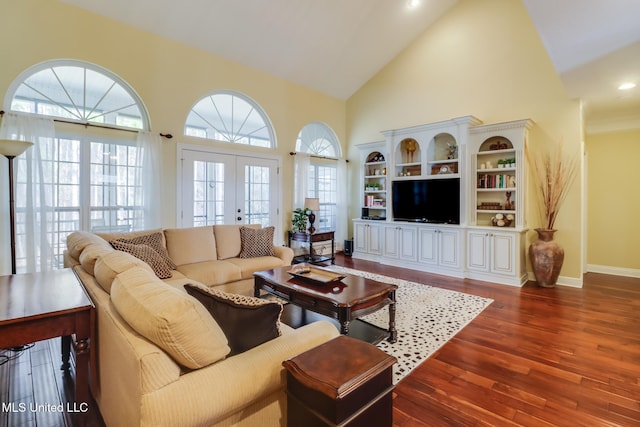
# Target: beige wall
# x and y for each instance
(483, 58)
(613, 202)
(170, 77)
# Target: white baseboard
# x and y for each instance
(616, 271)
(572, 282)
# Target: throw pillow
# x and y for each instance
(168, 317)
(155, 240)
(147, 254)
(246, 321)
(256, 242)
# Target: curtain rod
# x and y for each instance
(293, 153)
(87, 124)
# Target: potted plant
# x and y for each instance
(299, 220)
(501, 163)
(553, 177)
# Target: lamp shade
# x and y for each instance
(312, 203)
(13, 147)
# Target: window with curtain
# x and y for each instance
(323, 184)
(78, 178)
(229, 116)
(322, 175)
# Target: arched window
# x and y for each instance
(318, 139)
(94, 181)
(229, 116)
(79, 92)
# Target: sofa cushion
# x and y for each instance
(78, 240)
(91, 253)
(246, 321)
(190, 245)
(248, 266)
(109, 265)
(228, 240)
(212, 273)
(256, 242)
(147, 254)
(154, 240)
(168, 317)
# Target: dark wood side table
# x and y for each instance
(40, 306)
(343, 382)
(310, 239)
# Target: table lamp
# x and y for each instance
(313, 204)
(10, 148)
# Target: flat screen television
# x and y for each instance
(427, 200)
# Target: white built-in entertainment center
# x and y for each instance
(446, 198)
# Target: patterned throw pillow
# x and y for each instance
(256, 242)
(147, 254)
(246, 321)
(155, 240)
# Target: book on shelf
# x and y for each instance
(496, 181)
(373, 202)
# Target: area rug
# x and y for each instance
(426, 318)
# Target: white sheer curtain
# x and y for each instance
(33, 199)
(342, 221)
(149, 180)
(302, 163)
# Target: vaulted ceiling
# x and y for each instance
(335, 46)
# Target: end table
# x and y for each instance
(310, 239)
(39, 306)
(344, 382)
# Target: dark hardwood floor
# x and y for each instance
(534, 357)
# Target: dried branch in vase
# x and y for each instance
(553, 174)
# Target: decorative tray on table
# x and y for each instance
(315, 275)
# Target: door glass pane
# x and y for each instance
(257, 197)
(208, 193)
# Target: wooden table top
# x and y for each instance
(34, 295)
(349, 291)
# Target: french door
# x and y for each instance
(223, 188)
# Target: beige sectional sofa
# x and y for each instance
(158, 356)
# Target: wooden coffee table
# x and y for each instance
(344, 300)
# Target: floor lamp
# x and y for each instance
(10, 148)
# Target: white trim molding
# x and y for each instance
(615, 271)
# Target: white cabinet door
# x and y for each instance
(391, 241)
(400, 242)
(360, 240)
(375, 239)
(448, 248)
(428, 252)
(503, 253)
(367, 238)
(440, 246)
(491, 251)
(478, 250)
(408, 245)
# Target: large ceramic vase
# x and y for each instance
(546, 257)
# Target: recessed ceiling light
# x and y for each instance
(412, 4)
(626, 86)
